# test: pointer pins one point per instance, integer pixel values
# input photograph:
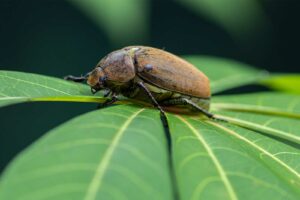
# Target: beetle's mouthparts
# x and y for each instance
(96, 88)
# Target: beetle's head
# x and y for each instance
(96, 79)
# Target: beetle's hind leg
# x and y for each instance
(185, 101)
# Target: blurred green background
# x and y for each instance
(60, 37)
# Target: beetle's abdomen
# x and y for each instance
(162, 96)
(159, 94)
(170, 72)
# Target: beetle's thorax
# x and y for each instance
(115, 71)
(118, 66)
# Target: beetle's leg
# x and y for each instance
(107, 93)
(141, 85)
(162, 112)
(184, 101)
(108, 102)
(194, 105)
(77, 78)
(113, 99)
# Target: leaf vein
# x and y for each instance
(255, 146)
(104, 162)
(218, 166)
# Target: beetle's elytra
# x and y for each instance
(150, 74)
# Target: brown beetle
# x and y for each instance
(147, 73)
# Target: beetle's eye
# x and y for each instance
(102, 78)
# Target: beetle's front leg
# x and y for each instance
(107, 93)
(77, 78)
(108, 102)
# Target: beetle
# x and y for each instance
(152, 75)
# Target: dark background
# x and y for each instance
(56, 38)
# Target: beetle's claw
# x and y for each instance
(94, 91)
(218, 119)
(108, 102)
(107, 93)
(68, 77)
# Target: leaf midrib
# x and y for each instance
(218, 166)
(104, 162)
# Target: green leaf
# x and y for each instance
(226, 74)
(221, 161)
(218, 160)
(115, 153)
(262, 103)
(17, 87)
(265, 102)
(284, 82)
(121, 152)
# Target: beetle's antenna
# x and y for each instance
(77, 78)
